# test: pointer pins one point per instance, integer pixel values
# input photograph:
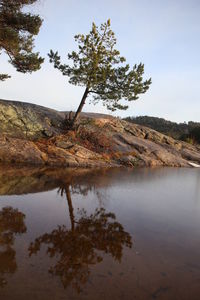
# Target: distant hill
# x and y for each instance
(189, 132)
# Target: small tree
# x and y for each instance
(99, 67)
(17, 29)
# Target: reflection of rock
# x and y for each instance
(11, 223)
(23, 180)
(16, 180)
(83, 245)
(33, 134)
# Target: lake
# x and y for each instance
(99, 234)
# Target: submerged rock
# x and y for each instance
(36, 135)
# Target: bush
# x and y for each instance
(94, 140)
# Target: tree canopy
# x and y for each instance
(17, 29)
(189, 132)
(98, 66)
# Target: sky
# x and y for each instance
(164, 35)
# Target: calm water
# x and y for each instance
(115, 234)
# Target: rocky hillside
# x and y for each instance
(36, 135)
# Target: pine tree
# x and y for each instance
(17, 30)
(99, 67)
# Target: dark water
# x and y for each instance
(116, 234)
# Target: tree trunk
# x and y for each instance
(77, 114)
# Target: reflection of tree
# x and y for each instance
(66, 190)
(83, 245)
(11, 223)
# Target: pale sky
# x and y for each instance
(164, 35)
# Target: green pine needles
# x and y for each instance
(17, 30)
(98, 66)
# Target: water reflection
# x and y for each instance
(84, 244)
(11, 224)
(82, 248)
(197, 188)
(18, 180)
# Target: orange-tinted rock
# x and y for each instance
(99, 141)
